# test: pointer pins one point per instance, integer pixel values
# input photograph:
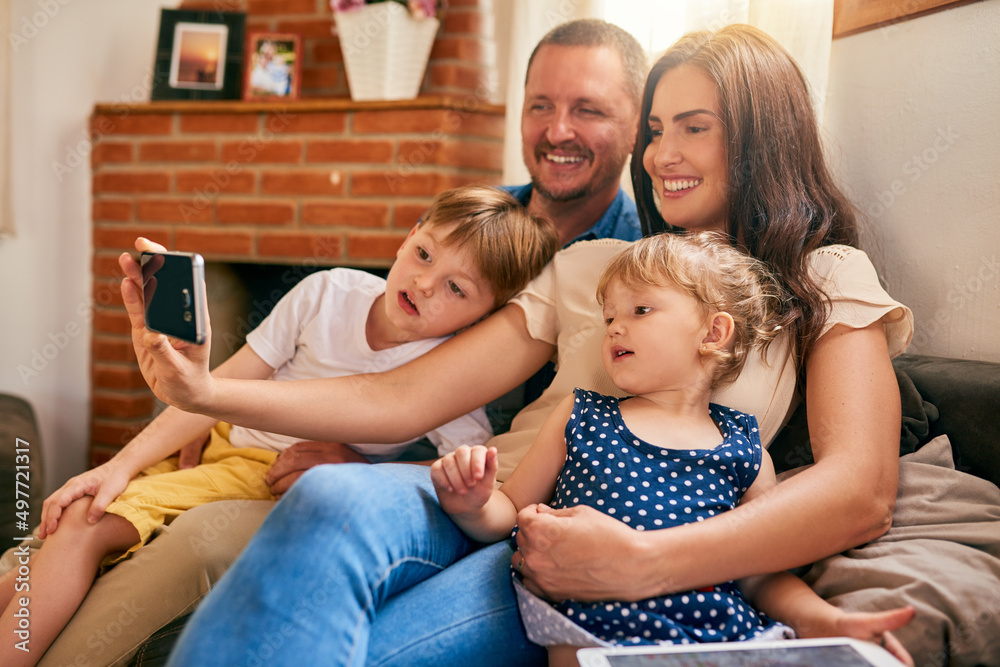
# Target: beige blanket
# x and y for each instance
(942, 555)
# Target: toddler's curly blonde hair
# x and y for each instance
(723, 279)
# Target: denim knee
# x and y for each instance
(331, 487)
(358, 491)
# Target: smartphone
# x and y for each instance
(173, 293)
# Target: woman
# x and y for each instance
(354, 566)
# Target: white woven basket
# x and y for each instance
(385, 50)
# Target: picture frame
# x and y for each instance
(199, 55)
(273, 66)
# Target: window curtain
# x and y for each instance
(6, 210)
(529, 21)
(803, 27)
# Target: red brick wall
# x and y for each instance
(332, 183)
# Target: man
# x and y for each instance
(578, 126)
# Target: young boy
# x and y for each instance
(475, 248)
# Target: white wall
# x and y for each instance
(912, 112)
(66, 55)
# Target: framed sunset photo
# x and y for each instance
(199, 55)
(198, 60)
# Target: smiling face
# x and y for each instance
(653, 338)
(578, 123)
(433, 289)
(686, 157)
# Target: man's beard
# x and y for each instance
(598, 181)
(571, 195)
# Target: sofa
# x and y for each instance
(20, 469)
(940, 396)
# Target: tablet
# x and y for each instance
(789, 653)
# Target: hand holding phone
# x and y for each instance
(173, 291)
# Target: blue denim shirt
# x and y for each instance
(620, 220)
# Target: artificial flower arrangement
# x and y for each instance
(418, 8)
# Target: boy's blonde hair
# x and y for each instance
(720, 277)
(507, 244)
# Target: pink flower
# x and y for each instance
(418, 8)
(422, 8)
(345, 5)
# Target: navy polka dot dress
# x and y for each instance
(650, 488)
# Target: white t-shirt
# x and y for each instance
(560, 307)
(318, 330)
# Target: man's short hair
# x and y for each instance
(594, 33)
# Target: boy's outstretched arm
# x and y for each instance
(451, 380)
(164, 436)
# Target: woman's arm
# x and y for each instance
(463, 373)
(854, 418)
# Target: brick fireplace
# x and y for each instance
(322, 181)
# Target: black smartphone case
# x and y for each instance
(173, 294)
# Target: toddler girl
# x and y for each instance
(682, 312)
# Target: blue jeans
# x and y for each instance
(358, 565)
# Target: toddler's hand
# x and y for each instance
(464, 478)
(871, 626)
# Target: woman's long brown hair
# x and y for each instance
(783, 203)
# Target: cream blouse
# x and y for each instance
(561, 308)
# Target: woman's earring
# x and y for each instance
(704, 350)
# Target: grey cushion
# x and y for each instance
(21, 477)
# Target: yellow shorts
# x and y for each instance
(161, 492)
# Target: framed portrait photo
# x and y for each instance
(273, 66)
(199, 55)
